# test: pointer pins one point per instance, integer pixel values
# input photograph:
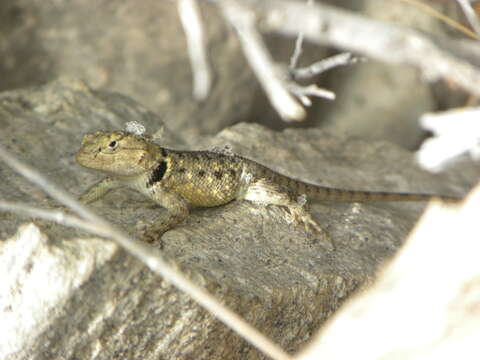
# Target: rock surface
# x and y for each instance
(68, 296)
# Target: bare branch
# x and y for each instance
(326, 25)
(145, 253)
(303, 93)
(329, 63)
(192, 25)
(242, 19)
(57, 216)
(298, 45)
(297, 51)
(427, 9)
(470, 14)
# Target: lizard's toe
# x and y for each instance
(150, 235)
(301, 217)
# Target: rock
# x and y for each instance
(96, 300)
(441, 299)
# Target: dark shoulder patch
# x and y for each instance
(158, 173)
(233, 173)
(201, 173)
(164, 152)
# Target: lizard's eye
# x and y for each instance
(111, 146)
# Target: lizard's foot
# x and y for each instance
(266, 192)
(150, 236)
(155, 232)
(299, 216)
(153, 236)
(166, 222)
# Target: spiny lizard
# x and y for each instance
(180, 180)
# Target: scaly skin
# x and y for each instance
(179, 180)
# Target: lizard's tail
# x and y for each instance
(320, 193)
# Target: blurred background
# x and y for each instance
(139, 49)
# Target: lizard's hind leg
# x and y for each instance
(265, 192)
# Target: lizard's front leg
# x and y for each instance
(177, 210)
(99, 190)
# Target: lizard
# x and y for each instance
(179, 180)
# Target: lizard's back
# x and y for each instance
(204, 178)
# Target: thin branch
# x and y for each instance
(242, 19)
(297, 52)
(470, 14)
(324, 65)
(324, 24)
(192, 25)
(305, 92)
(145, 253)
(57, 216)
(443, 18)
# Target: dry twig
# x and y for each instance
(422, 6)
(324, 65)
(242, 19)
(277, 82)
(470, 14)
(192, 25)
(297, 51)
(326, 25)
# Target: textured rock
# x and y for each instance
(99, 301)
(441, 299)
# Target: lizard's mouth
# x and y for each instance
(91, 160)
(83, 158)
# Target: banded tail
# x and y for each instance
(320, 193)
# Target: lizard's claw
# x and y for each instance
(148, 236)
(300, 216)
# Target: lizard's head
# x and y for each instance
(116, 152)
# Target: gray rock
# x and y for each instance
(68, 296)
